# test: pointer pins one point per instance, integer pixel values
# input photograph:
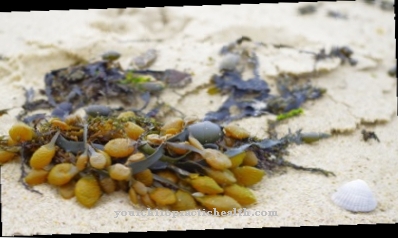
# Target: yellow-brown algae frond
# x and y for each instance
(44, 155)
(221, 203)
(216, 159)
(146, 177)
(6, 156)
(155, 139)
(87, 191)
(135, 158)
(172, 127)
(36, 176)
(57, 123)
(177, 150)
(184, 201)
(133, 196)
(126, 115)
(21, 132)
(107, 184)
(67, 191)
(133, 131)
(81, 161)
(236, 132)
(163, 196)
(147, 200)
(119, 147)
(97, 160)
(167, 174)
(250, 159)
(206, 185)
(237, 160)
(248, 175)
(195, 143)
(61, 174)
(139, 187)
(244, 196)
(119, 172)
(223, 178)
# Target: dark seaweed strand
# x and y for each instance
(23, 171)
(270, 164)
(315, 170)
(272, 156)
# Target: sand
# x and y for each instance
(189, 39)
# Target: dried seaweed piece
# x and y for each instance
(245, 108)
(31, 104)
(248, 98)
(392, 71)
(245, 95)
(344, 53)
(271, 151)
(229, 47)
(308, 138)
(292, 95)
(62, 110)
(307, 9)
(367, 135)
(241, 108)
(182, 136)
(25, 153)
(314, 170)
(186, 167)
(167, 183)
(238, 57)
(336, 15)
(97, 80)
(370, 2)
(34, 119)
(4, 111)
(73, 87)
(71, 146)
(289, 114)
(251, 98)
(140, 166)
(231, 81)
(171, 77)
(110, 55)
(387, 5)
(98, 110)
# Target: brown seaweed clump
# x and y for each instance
(170, 165)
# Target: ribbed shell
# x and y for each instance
(355, 196)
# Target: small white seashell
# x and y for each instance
(355, 196)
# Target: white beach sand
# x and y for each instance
(360, 97)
